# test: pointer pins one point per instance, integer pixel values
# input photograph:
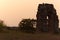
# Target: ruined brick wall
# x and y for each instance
(47, 19)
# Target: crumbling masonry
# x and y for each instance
(47, 19)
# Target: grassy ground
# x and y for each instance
(16, 35)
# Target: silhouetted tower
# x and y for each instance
(47, 19)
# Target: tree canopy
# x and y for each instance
(26, 25)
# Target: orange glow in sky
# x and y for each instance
(12, 11)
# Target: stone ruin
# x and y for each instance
(47, 18)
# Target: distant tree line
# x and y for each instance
(25, 25)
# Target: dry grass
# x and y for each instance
(16, 35)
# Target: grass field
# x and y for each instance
(17, 35)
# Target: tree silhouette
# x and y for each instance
(2, 25)
(26, 25)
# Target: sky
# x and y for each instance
(13, 11)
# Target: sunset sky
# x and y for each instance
(12, 11)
